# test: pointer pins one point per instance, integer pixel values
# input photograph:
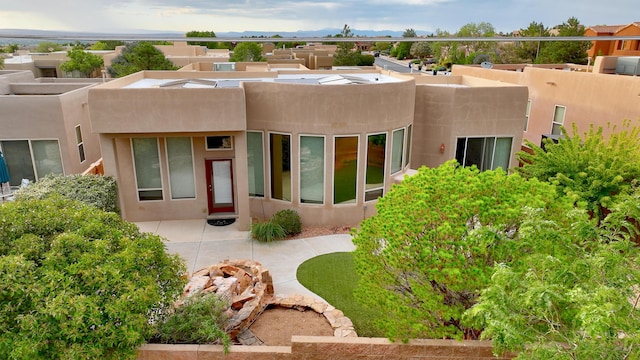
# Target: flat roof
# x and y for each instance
(308, 79)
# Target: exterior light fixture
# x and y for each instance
(442, 148)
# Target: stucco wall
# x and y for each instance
(589, 98)
(328, 110)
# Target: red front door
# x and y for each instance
(220, 186)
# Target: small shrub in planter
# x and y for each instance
(267, 231)
(199, 320)
(289, 220)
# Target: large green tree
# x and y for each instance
(588, 167)
(83, 62)
(106, 44)
(403, 49)
(528, 51)
(48, 46)
(138, 56)
(203, 34)
(247, 51)
(79, 283)
(571, 294)
(428, 252)
(345, 54)
(566, 51)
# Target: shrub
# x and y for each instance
(267, 231)
(289, 220)
(199, 320)
(96, 190)
(366, 60)
(79, 283)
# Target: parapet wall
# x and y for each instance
(329, 348)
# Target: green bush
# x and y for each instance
(267, 231)
(79, 283)
(289, 220)
(199, 320)
(366, 60)
(96, 190)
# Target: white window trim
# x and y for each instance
(81, 143)
(324, 170)
(404, 144)
(385, 166)
(553, 117)
(333, 170)
(527, 115)
(135, 176)
(266, 168)
(193, 166)
(206, 147)
(407, 150)
(268, 182)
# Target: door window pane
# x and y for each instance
(180, 158)
(374, 182)
(147, 168)
(312, 169)
(46, 157)
(396, 150)
(345, 169)
(255, 161)
(222, 187)
(280, 150)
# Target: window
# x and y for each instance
(219, 143)
(487, 153)
(311, 169)
(374, 177)
(397, 144)
(31, 159)
(558, 119)
(345, 169)
(146, 161)
(255, 161)
(280, 151)
(180, 165)
(80, 144)
(526, 115)
(407, 150)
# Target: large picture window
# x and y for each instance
(397, 146)
(180, 164)
(376, 151)
(487, 153)
(280, 151)
(146, 161)
(255, 161)
(31, 159)
(558, 119)
(311, 169)
(345, 170)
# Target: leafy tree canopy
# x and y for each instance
(587, 167)
(79, 283)
(247, 51)
(420, 49)
(430, 249)
(566, 51)
(48, 46)
(204, 34)
(138, 56)
(82, 61)
(345, 54)
(106, 45)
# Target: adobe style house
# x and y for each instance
(614, 47)
(44, 126)
(563, 94)
(207, 144)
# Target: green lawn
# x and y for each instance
(333, 277)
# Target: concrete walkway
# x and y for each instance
(201, 245)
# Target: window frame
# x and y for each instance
(527, 114)
(80, 144)
(271, 183)
(168, 165)
(333, 171)
(404, 136)
(554, 122)
(384, 168)
(264, 167)
(206, 143)
(324, 169)
(32, 155)
(135, 173)
(482, 155)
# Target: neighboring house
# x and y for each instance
(564, 94)
(44, 126)
(327, 144)
(614, 47)
(46, 65)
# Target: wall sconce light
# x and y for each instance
(442, 149)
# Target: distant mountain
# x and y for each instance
(310, 33)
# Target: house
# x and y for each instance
(44, 126)
(328, 144)
(629, 47)
(563, 94)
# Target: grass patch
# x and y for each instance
(333, 276)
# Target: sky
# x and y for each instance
(425, 16)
